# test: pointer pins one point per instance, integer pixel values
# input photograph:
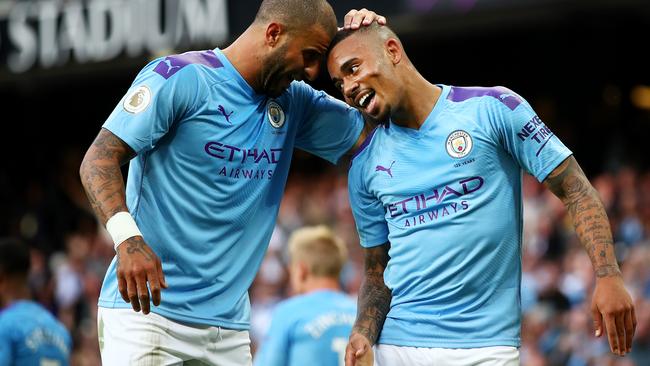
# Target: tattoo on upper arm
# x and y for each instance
(569, 183)
(374, 296)
(101, 175)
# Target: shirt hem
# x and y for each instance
(183, 318)
(436, 343)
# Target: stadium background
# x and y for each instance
(65, 64)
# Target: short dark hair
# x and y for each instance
(14, 257)
(298, 13)
(382, 31)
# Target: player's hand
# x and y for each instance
(358, 351)
(612, 303)
(138, 265)
(355, 18)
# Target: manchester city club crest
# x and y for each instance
(275, 114)
(459, 144)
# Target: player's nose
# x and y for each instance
(350, 89)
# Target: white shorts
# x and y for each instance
(389, 355)
(130, 338)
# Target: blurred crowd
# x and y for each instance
(70, 254)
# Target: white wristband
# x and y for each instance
(121, 227)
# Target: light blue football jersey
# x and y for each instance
(30, 335)
(448, 199)
(311, 329)
(212, 163)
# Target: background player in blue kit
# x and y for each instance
(211, 135)
(29, 334)
(313, 327)
(436, 195)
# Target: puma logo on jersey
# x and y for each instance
(223, 111)
(380, 168)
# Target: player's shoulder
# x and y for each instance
(188, 67)
(494, 95)
(370, 143)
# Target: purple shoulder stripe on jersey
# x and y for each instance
(365, 143)
(504, 95)
(172, 64)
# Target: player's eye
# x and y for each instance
(311, 56)
(354, 69)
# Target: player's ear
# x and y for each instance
(273, 33)
(304, 271)
(393, 50)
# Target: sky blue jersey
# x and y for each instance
(212, 163)
(448, 199)
(30, 335)
(311, 329)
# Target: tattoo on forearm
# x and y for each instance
(569, 183)
(374, 296)
(101, 175)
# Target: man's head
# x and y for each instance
(365, 65)
(315, 253)
(14, 266)
(296, 36)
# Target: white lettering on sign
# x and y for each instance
(50, 32)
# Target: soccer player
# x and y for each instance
(211, 135)
(436, 196)
(313, 327)
(29, 334)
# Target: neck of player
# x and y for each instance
(12, 290)
(312, 284)
(417, 99)
(244, 56)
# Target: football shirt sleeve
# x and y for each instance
(329, 128)
(367, 210)
(525, 136)
(153, 103)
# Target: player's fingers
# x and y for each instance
(381, 20)
(121, 286)
(358, 18)
(154, 285)
(350, 359)
(361, 351)
(161, 275)
(132, 293)
(620, 332)
(610, 327)
(629, 330)
(598, 322)
(143, 292)
(369, 17)
(348, 18)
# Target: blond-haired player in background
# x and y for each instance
(311, 328)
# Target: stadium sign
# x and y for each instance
(48, 33)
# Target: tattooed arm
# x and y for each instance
(611, 300)
(102, 179)
(374, 303)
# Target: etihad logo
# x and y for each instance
(425, 201)
(242, 163)
(233, 153)
(380, 168)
